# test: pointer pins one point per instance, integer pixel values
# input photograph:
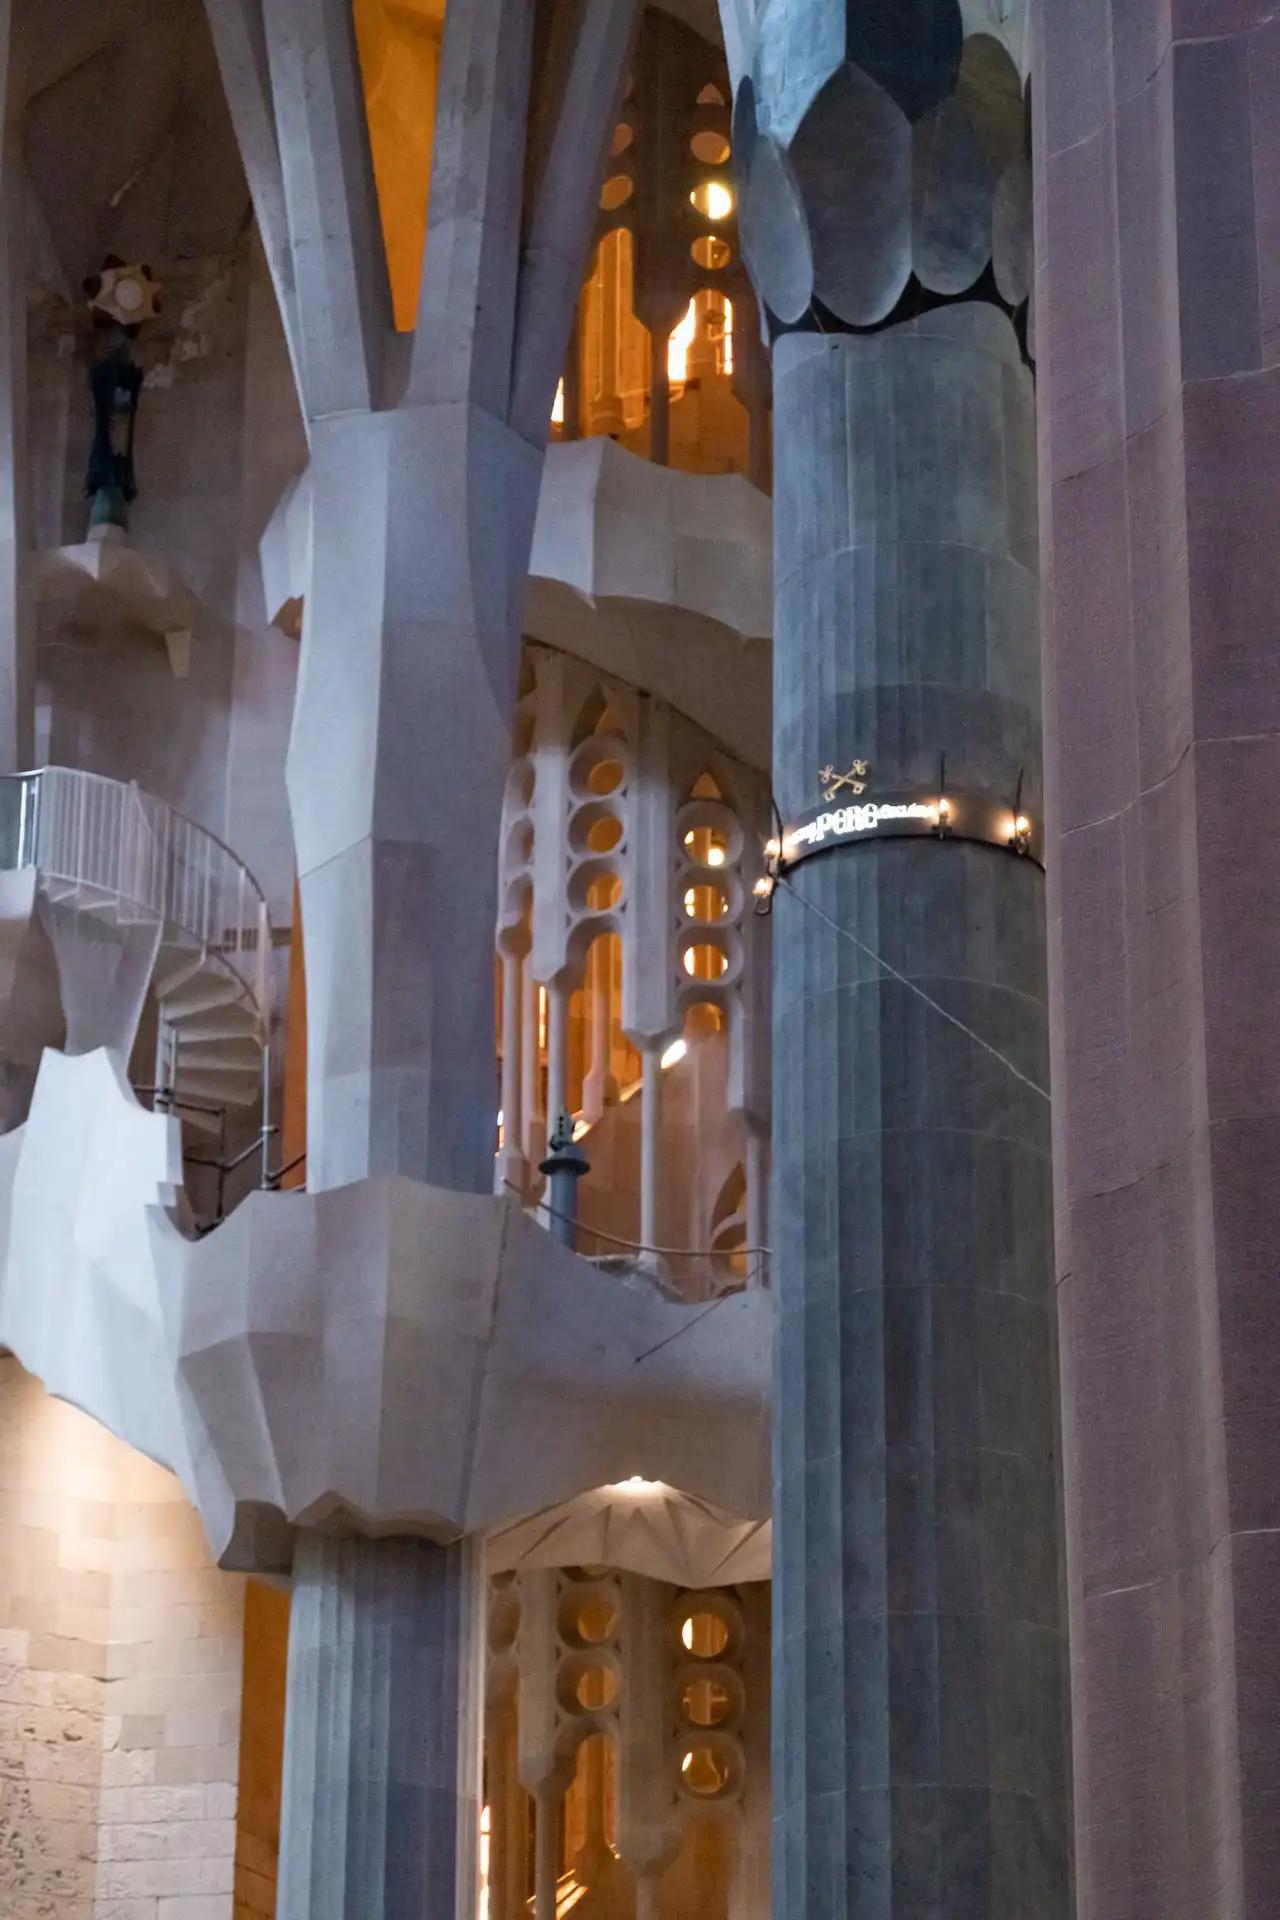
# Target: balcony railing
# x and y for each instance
(108, 839)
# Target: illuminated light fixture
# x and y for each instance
(715, 856)
(944, 813)
(687, 1762)
(763, 887)
(678, 1048)
(557, 411)
(1020, 837)
(688, 839)
(581, 1128)
(772, 848)
(691, 902)
(636, 1484)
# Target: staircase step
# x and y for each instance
(217, 1090)
(207, 988)
(213, 1056)
(233, 1025)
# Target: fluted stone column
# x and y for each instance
(919, 1717)
(919, 1743)
(379, 1789)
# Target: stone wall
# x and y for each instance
(120, 1661)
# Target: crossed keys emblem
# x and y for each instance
(834, 783)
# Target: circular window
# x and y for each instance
(604, 777)
(615, 192)
(710, 147)
(623, 135)
(594, 886)
(587, 1617)
(713, 200)
(706, 903)
(711, 252)
(706, 1702)
(705, 1772)
(597, 1687)
(604, 834)
(704, 1635)
(705, 963)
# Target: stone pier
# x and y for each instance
(919, 1763)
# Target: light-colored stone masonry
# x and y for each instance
(120, 1670)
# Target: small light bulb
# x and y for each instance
(1022, 825)
(944, 811)
(763, 887)
(715, 856)
(772, 848)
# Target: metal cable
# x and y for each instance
(847, 933)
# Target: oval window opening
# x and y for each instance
(710, 147)
(711, 252)
(615, 192)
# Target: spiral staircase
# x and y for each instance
(134, 897)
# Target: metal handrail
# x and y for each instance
(87, 830)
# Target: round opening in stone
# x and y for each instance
(704, 1635)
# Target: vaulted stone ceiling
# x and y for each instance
(129, 144)
(128, 141)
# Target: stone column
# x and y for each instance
(379, 1790)
(651, 1148)
(919, 1660)
(1158, 318)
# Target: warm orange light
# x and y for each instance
(713, 200)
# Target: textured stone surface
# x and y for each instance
(919, 1761)
(120, 1661)
(1161, 468)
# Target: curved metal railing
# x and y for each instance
(83, 830)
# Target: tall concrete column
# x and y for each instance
(919, 1740)
(379, 1789)
(425, 463)
(919, 1719)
